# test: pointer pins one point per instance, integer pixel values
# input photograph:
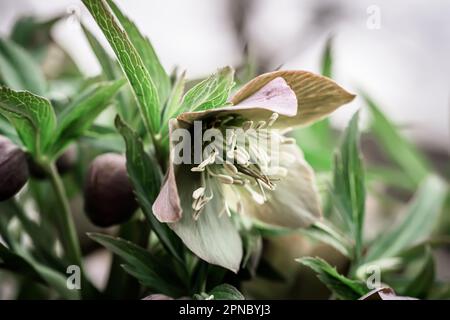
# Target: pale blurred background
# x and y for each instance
(397, 51)
(401, 59)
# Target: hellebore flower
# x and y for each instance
(272, 184)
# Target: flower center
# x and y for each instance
(244, 155)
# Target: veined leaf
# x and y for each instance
(341, 286)
(397, 147)
(173, 106)
(146, 52)
(349, 189)
(142, 264)
(327, 234)
(146, 177)
(420, 219)
(8, 130)
(132, 65)
(18, 70)
(211, 92)
(175, 98)
(76, 118)
(112, 72)
(106, 62)
(31, 115)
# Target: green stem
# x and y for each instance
(66, 226)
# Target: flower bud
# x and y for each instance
(13, 169)
(108, 193)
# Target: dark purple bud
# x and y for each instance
(13, 169)
(108, 194)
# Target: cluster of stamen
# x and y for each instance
(249, 166)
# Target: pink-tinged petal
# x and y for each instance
(167, 206)
(275, 96)
(317, 96)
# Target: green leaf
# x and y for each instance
(226, 292)
(146, 52)
(141, 264)
(112, 72)
(342, 287)
(265, 229)
(24, 264)
(421, 283)
(146, 177)
(132, 64)
(18, 70)
(327, 59)
(316, 142)
(421, 217)
(175, 98)
(8, 130)
(106, 62)
(326, 233)
(31, 115)
(400, 150)
(210, 93)
(79, 115)
(31, 33)
(349, 190)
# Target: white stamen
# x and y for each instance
(285, 131)
(231, 168)
(272, 119)
(265, 185)
(209, 160)
(247, 125)
(198, 193)
(288, 140)
(241, 158)
(230, 137)
(279, 171)
(196, 205)
(260, 124)
(225, 179)
(260, 186)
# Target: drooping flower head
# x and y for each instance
(238, 158)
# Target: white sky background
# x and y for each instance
(404, 65)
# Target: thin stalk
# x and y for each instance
(66, 226)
